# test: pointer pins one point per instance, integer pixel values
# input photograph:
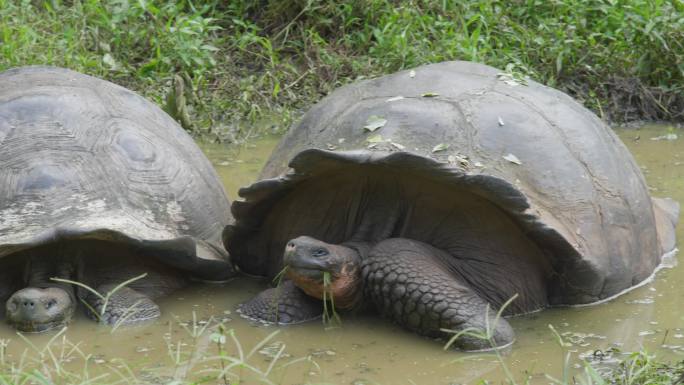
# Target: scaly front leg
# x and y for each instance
(408, 283)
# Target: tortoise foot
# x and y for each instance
(124, 307)
(282, 305)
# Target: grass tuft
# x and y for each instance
(61, 361)
(221, 68)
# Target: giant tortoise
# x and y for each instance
(98, 186)
(437, 194)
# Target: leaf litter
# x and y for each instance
(513, 159)
(440, 147)
(374, 122)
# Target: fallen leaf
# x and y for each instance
(394, 99)
(440, 147)
(461, 159)
(512, 158)
(412, 74)
(397, 145)
(374, 139)
(430, 95)
(374, 122)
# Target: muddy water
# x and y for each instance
(367, 350)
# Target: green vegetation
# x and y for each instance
(210, 353)
(602, 368)
(220, 66)
(106, 297)
(140, 45)
(206, 353)
(330, 316)
(640, 369)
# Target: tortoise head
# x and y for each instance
(36, 310)
(309, 261)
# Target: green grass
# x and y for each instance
(190, 360)
(210, 353)
(640, 368)
(625, 58)
(138, 44)
(238, 62)
(636, 368)
(330, 316)
(105, 298)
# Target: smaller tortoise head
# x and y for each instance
(35, 310)
(309, 260)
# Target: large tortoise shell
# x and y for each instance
(82, 158)
(550, 164)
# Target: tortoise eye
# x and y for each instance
(319, 253)
(50, 303)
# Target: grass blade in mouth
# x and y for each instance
(329, 313)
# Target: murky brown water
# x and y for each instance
(368, 350)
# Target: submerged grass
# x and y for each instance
(105, 298)
(278, 281)
(189, 360)
(220, 66)
(61, 361)
(640, 368)
(637, 368)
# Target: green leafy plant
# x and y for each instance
(253, 66)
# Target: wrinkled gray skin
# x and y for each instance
(41, 303)
(485, 190)
(99, 185)
(408, 282)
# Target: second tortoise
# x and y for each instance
(435, 195)
(98, 185)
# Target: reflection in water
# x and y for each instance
(366, 349)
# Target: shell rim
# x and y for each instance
(308, 163)
(183, 252)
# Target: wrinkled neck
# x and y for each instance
(39, 272)
(348, 285)
(361, 248)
